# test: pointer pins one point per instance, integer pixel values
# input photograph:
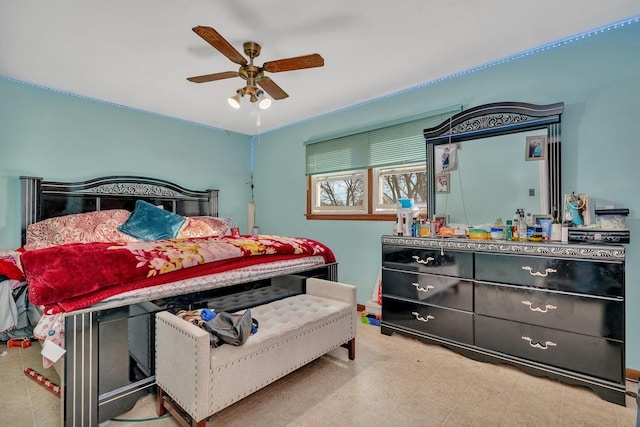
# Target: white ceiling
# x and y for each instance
(138, 53)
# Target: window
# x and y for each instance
(392, 184)
(361, 175)
(340, 193)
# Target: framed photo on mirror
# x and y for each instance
(537, 217)
(446, 158)
(536, 148)
(442, 183)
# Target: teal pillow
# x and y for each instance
(149, 222)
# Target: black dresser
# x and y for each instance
(551, 309)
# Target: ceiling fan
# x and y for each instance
(253, 74)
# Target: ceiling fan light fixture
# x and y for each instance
(264, 103)
(234, 101)
(251, 73)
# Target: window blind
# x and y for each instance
(389, 144)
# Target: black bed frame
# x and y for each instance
(110, 361)
(48, 199)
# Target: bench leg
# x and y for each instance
(351, 345)
(165, 404)
(160, 409)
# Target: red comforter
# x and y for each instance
(69, 277)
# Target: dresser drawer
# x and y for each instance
(451, 263)
(444, 291)
(446, 323)
(581, 276)
(593, 356)
(600, 317)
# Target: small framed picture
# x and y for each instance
(446, 158)
(536, 148)
(442, 183)
(440, 221)
(537, 217)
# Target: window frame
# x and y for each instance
(371, 213)
(379, 208)
(338, 210)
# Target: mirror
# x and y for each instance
(490, 160)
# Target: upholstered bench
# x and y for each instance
(195, 381)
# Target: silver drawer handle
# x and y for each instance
(537, 273)
(422, 261)
(546, 345)
(421, 289)
(422, 319)
(538, 309)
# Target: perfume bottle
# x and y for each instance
(515, 231)
(522, 226)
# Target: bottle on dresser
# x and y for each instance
(515, 230)
(522, 225)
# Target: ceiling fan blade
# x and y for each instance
(212, 37)
(271, 88)
(212, 77)
(297, 63)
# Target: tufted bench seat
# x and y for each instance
(198, 380)
(251, 298)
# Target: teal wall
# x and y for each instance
(57, 136)
(60, 137)
(597, 79)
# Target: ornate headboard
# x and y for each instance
(47, 199)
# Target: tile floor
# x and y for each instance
(394, 381)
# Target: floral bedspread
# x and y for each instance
(73, 276)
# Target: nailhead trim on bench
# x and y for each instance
(282, 323)
(284, 372)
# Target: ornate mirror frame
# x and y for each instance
(494, 119)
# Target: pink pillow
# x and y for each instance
(203, 226)
(220, 225)
(99, 226)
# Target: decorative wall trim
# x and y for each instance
(548, 249)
